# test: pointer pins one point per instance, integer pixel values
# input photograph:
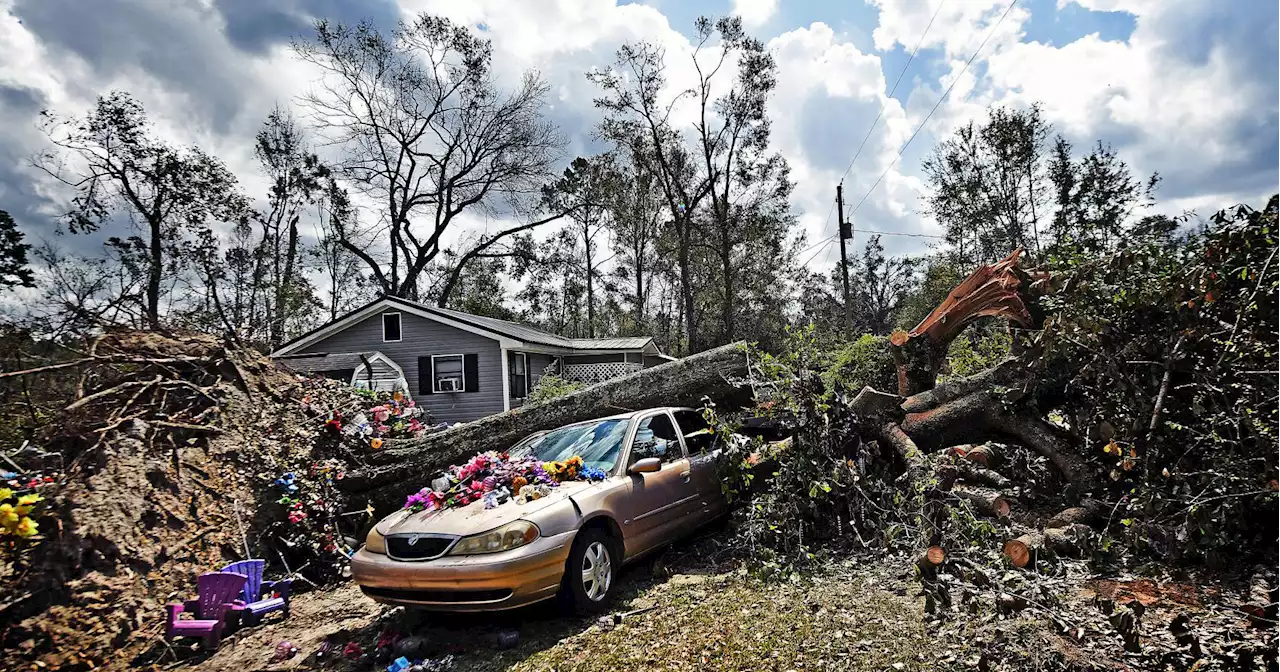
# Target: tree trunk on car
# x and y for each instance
(410, 464)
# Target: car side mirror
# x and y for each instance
(647, 465)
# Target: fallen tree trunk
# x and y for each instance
(1025, 550)
(1261, 607)
(1072, 541)
(984, 500)
(973, 474)
(1090, 512)
(404, 469)
(985, 456)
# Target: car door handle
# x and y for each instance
(685, 476)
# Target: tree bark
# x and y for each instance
(154, 268)
(986, 501)
(1025, 550)
(1072, 541)
(1090, 512)
(406, 468)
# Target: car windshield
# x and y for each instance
(598, 443)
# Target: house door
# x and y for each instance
(518, 372)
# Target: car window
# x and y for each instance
(696, 431)
(656, 437)
(597, 443)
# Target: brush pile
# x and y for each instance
(176, 455)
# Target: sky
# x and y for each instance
(1187, 88)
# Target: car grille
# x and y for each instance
(413, 547)
(450, 596)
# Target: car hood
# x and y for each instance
(474, 518)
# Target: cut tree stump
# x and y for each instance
(974, 474)
(985, 500)
(1090, 512)
(930, 560)
(985, 455)
(1263, 599)
(1072, 541)
(398, 472)
(1025, 550)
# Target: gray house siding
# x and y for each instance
(421, 337)
(538, 362)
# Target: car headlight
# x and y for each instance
(509, 536)
(374, 542)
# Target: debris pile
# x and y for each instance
(177, 455)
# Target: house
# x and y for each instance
(461, 367)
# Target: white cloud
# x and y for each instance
(755, 13)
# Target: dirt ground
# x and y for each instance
(682, 612)
(678, 619)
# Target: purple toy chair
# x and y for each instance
(217, 590)
(251, 601)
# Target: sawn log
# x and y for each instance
(399, 471)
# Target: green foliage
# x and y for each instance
(978, 350)
(824, 488)
(551, 386)
(865, 361)
(1166, 350)
(13, 255)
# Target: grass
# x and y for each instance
(732, 622)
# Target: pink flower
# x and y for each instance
(380, 413)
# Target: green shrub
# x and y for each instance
(551, 386)
(978, 350)
(865, 361)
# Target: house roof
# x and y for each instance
(532, 335)
(511, 334)
(315, 362)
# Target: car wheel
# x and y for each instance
(591, 572)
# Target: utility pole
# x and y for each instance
(845, 232)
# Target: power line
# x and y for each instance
(815, 254)
(816, 244)
(935, 106)
(895, 233)
(885, 102)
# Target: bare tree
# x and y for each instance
(339, 267)
(427, 134)
(120, 167)
(637, 121)
(636, 209)
(749, 198)
(297, 181)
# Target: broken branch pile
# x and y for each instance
(173, 452)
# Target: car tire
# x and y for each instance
(591, 573)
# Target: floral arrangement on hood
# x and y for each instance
(494, 478)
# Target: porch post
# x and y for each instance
(506, 382)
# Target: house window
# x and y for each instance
(446, 372)
(390, 327)
(518, 372)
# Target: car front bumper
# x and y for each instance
(489, 582)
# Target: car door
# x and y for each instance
(656, 502)
(704, 458)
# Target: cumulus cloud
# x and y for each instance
(755, 13)
(1191, 93)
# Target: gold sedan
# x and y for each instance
(660, 484)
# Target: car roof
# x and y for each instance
(628, 415)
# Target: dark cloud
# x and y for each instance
(21, 100)
(256, 26)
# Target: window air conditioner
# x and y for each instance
(449, 384)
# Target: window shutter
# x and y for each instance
(425, 376)
(471, 372)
